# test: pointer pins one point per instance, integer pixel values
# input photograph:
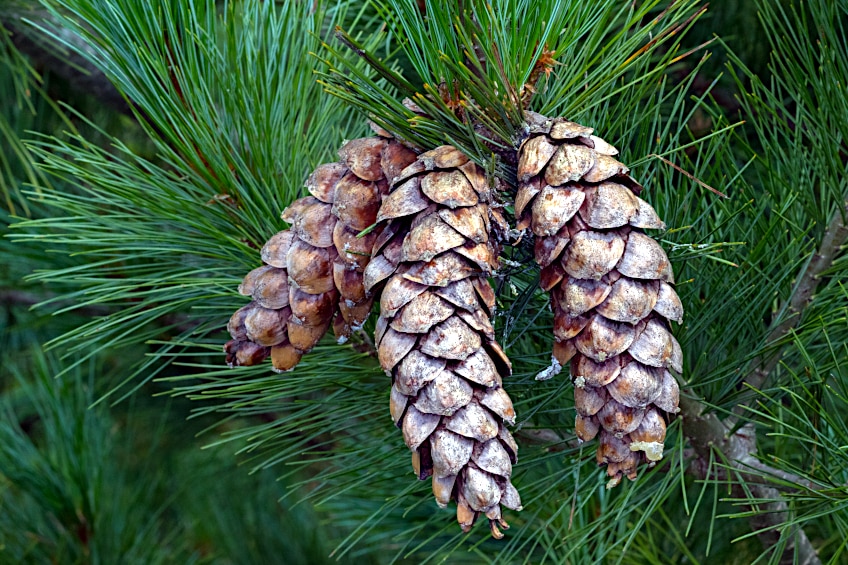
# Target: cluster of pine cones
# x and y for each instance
(423, 233)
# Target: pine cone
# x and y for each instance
(611, 289)
(439, 242)
(313, 272)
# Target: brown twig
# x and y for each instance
(365, 344)
(688, 174)
(556, 443)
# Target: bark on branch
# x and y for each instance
(706, 431)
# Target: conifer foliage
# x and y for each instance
(498, 281)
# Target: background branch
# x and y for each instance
(706, 432)
(835, 236)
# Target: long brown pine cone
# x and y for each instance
(439, 242)
(312, 275)
(611, 289)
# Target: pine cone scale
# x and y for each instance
(610, 288)
(313, 274)
(438, 339)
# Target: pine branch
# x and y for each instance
(739, 446)
(706, 432)
(775, 513)
(478, 73)
(790, 136)
(169, 225)
(765, 471)
(835, 237)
